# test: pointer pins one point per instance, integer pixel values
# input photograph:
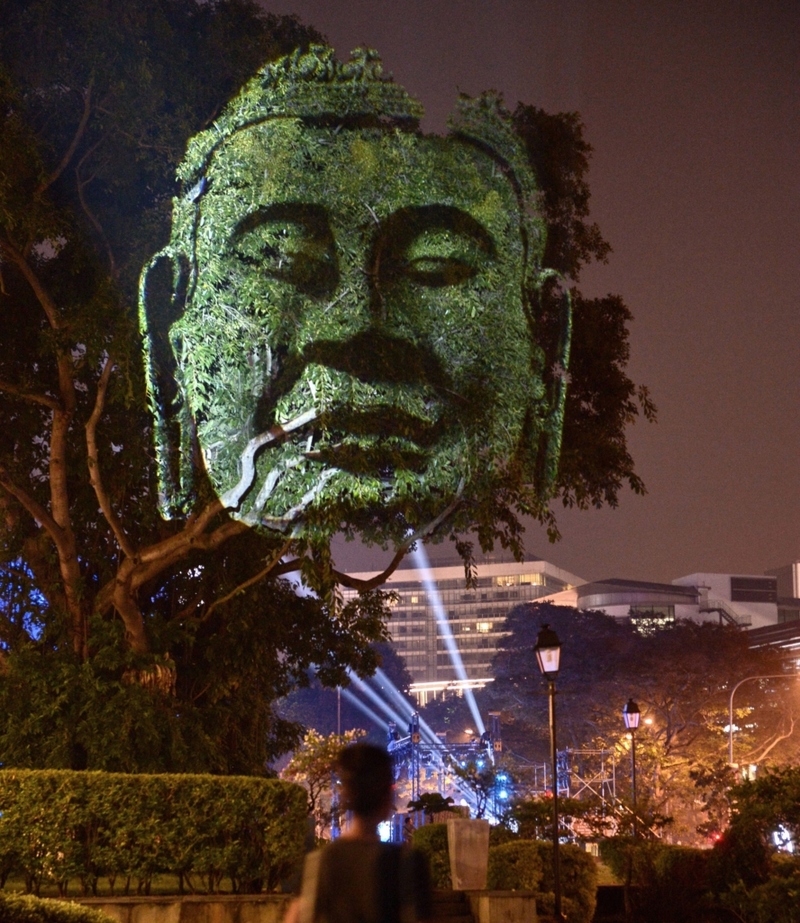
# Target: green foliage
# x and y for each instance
(670, 884)
(515, 867)
(128, 643)
(528, 865)
(745, 856)
(776, 900)
(578, 881)
(169, 632)
(25, 908)
(348, 353)
(61, 826)
(206, 704)
(431, 840)
(480, 781)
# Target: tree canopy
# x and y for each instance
(681, 677)
(180, 633)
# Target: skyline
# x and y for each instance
(692, 113)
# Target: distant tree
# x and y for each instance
(680, 676)
(313, 765)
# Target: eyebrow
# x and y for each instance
(312, 216)
(407, 223)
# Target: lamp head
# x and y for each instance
(548, 652)
(631, 715)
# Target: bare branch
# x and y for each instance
(29, 396)
(32, 506)
(270, 566)
(42, 295)
(80, 185)
(352, 583)
(70, 152)
(93, 462)
(774, 742)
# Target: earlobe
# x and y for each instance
(556, 377)
(162, 300)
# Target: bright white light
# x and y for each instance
(783, 840)
(422, 563)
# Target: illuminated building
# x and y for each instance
(475, 616)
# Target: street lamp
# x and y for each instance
(631, 715)
(548, 654)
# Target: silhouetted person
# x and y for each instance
(357, 878)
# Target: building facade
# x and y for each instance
(434, 602)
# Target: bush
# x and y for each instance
(578, 882)
(431, 840)
(670, 883)
(777, 900)
(515, 866)
(24, 908)
(60, 826)
(528, 865)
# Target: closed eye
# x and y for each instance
(433, 246)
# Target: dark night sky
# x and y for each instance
(692, 108)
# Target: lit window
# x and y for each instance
(483, 626)
(532, 579)
(415, 599)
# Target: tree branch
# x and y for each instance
(94, 463)
(776, 740)
(42, 295)
(29, 396)
(354, 584)
(32, 506)
(248, 583)
(70, 152)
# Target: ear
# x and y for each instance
(556, 376)
(162, 301)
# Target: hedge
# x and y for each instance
(528, 865)
(670, 884)
(431, 839)
(60, 826)
(24, 908)
(523, 865)
(515, 866)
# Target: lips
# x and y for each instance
(379, 440)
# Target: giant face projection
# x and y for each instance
(341, 332)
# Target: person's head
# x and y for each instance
(349, 336)
(366, 777)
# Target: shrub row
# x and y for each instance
(680, 884)
(25, 908)
(60, 826)
(523, 865)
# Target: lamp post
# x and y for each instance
(631, 715)
(548, 654)
(747, 679)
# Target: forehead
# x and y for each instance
(358, 170)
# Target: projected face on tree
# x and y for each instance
(349, 337)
